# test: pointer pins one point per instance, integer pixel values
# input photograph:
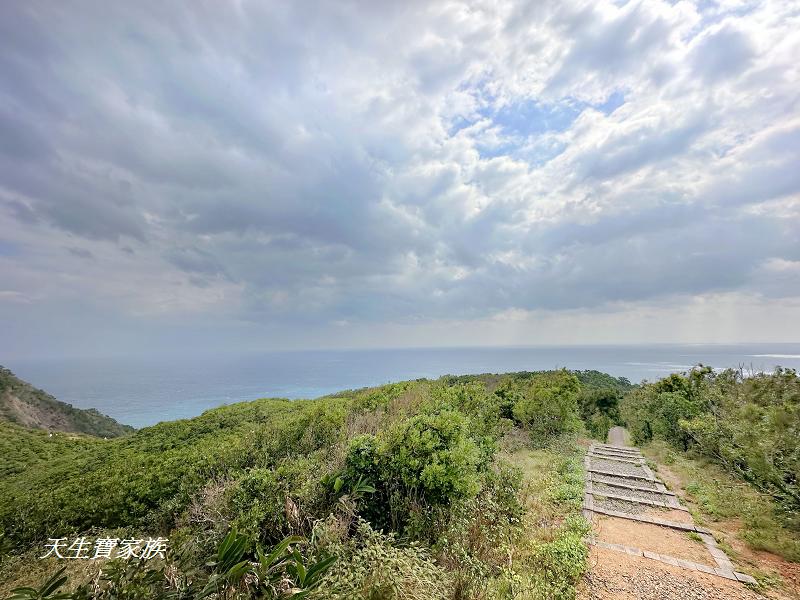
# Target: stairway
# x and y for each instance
(620, 485)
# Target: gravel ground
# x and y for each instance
(605, 478)
(617, 467)
(631, 508)
(608, 489)
(657, 584)
(618, 436)
(597, 452)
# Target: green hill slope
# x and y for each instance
(25, 405)
(407, 484)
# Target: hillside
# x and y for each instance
(25, 405)
(424, 487)
(466, 487)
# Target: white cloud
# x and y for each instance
(395, 163)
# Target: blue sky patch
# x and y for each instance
(612, 103)
(531, 117)
(8, 248)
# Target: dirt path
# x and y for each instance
(644, 543)
(618, 436)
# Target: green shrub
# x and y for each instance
(474, 536)
(559, 564)
(508, 393)
(748, 425)
(381, 397)
(432, 457)
(363, 459)
(371, 565)
(269, 504)
(258, 503)
(569, 489)
(419, 463)
(548, 406)
(598, 425)
(325, 425)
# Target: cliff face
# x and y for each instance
(25, 405)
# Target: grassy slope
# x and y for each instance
(546, 558)
(144, 483)
(71, 482)
(23, 404)
(549, 557)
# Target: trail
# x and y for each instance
(618, 436)
(644, 543)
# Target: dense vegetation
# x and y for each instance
(747, 425)
(465, 487)
(402, 491)
(599, 401)
(23, 404)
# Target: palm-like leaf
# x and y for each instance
(47, 591)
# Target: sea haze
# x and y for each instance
(143, 391)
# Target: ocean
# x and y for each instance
(142, 391)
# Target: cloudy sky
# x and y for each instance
(325, 174)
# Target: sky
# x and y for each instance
(266, 175)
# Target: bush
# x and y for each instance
(432, 457)
(560, 563)
(598, 425)
(548, 406)
(475, 536)
(363, 459)
(508, 393)
(269, 504)
(748, 425)
(370, 565)
(257, 503)
(419, 463)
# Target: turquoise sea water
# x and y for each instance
(142, 391)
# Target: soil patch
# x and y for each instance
(654, 538)
(616, 576)
(679, 516)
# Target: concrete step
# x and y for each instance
(618, 459)
(655, 503)
(634, 487)
(612, 474)
(645, 519)
(727, 573)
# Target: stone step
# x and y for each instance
(601, 452)
(596, 452)
(645, 519)
(617, 459)
(618, 448)
(615, 449)
(591, 469)
(727, 573)
(638, 488)
(638, 500)
(724, 566)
